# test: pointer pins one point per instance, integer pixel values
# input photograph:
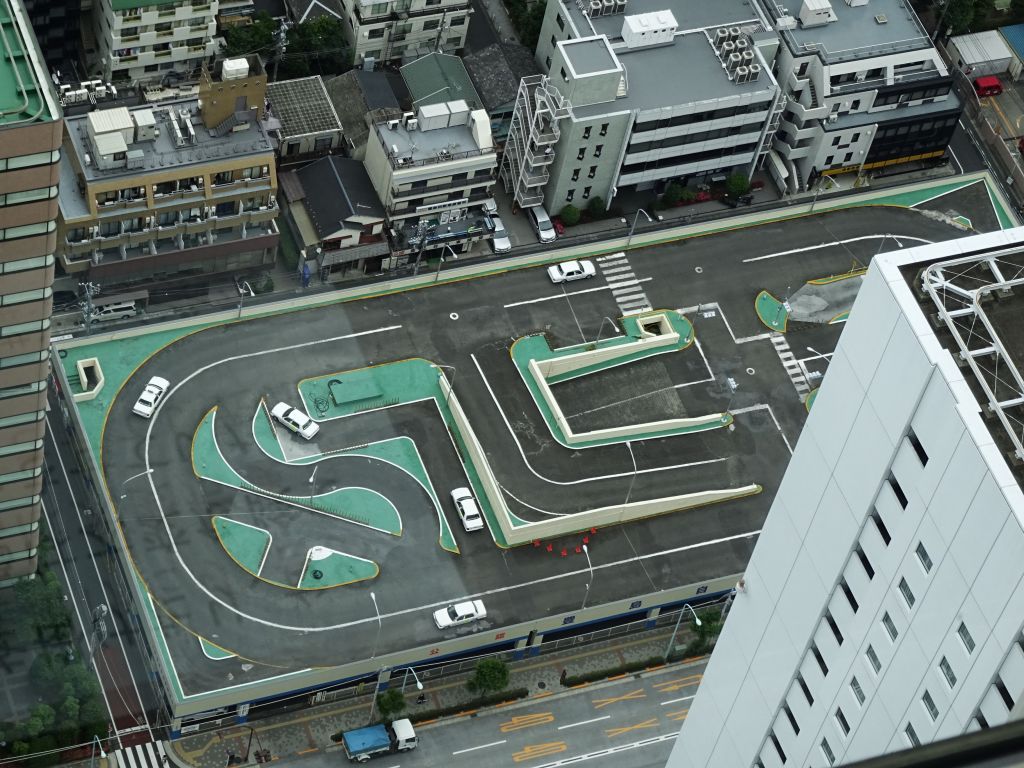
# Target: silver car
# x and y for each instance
(295, 420)
(469, 512)
(150, 397)
(568, 271)
(460, 613)
(500, 242)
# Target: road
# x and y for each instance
(631, 722)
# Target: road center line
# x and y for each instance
(819, 246)
(676, 701)
(482, 746)
(584, 722)
(568, 293)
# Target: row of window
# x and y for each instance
(21, 418)
(700, 117)
(724, 154)
(27, 230)
(21, 265)
(29, 161)
(24, 501)
(694, 138)
(28, 358)
(18, 530)
(22, 389)
(28, 196)
(21, 474)
(16, 448)
(590, 174)
(21, 297)
(572, 193)
(583, 151)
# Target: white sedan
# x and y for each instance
(150, 397)
(568, 271)
(460, 613)
(469, 512)
(295, 420)
(500, 241)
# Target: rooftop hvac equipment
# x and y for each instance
(748, 57)
(855, 3)
(596, 8)
(728, 48)
(459, 112)
(645, 29)
(742, 74)
(609, 7)
(816, 13)
(234, 69)
(734, 33)
(412, 124)
(393, 124)
(135, 158)
(406, 117)
(733, 62)
(620, 6)
(721, 36)
(754, 72)
(741, 43)
(433, 116)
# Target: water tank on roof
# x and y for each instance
(234, 69)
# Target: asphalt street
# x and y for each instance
(468, 325)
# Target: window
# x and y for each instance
(907, 594)
(929, 705)
(582, 153)
(22, 296)
(805, 689)
(29, 357)
(848, 157)
(377, 33)
(947, 672)
(922, 556)
(912, 736)
(890, 626)
(854, 605)
(554, 41)
(458, 21)
(854, 106)
(855, 137)
(586, 192)
(27, 196)
(844, 726)
(826, 750)
(880, 526)
(965, 638)
(604, 129)
(592, 172)
(818, 658)
(431, 24)
(575, 174)
(834, 627)
(586, 132)
(865, 562)
(901, 497)
(559, 21)
(873, 659)
(778, 747)
(565, 77)
(829, 159)
(1001, 689)
(792, 720)
(22, 418)
(570, 195)
(858, 692)
(835, 141)
(598, 149)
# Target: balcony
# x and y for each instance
(433, 189)
(540, 158)
(534, 178)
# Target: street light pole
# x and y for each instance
(373, 597)
(440, 261)
(405, 678)
(696, 619)
(451, 384)
(590, 581)
(821, 188)
(636, 216)
(629, 492)
(92, 755)
(124, 495)
(312, 484)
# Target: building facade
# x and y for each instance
(144, 41)
(30, 138)
(605, 119)
(404, 30)
(56, 25)
(432, 170)
(865, 89)
(175, 192)
(884, 605)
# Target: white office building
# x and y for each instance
(884, 602)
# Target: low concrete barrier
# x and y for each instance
(89, 363)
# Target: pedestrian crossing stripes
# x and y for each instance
(624, 285)
(791, 364)
(149, 755)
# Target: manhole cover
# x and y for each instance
(317, 574)
(750, 371)
(454, 315)
(542, 685)
(698, 270)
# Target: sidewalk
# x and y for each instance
(309, 730)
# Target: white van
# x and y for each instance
(121, 310)
(542, 223)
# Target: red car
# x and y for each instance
(559, 226)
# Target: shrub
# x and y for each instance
(481, 701)
(737, 184)
(570, 215)
(390, 703)
(596, 207)
(687, 196)
(489, 675)
(672, 195)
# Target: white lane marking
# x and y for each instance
(584, 722)
(629, 275)
(482, 746)
(833, 244)
(103, 588)
(614, 270)
(610, 751)
(765, 407)
(563, 295)
(676, 701)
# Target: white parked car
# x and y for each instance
(490, 205)
(295, 420)
(500, 241)
(469, 512)
(460, 613)
(150, 397)
(568, 271)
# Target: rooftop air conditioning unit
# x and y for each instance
(394, 150)
(734, 33)
(596, 8)
(412, 124)
(733, 62)
(721, 36)
(755, 72)
(748, 57)
(393, 124)
(741, 74)
(728, 47)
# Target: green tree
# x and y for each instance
(41, 602)
(737, 184)
(315, 47)
(957, 17)
(596, 207)
(390, 703)
(257, 37)
(672, 195)
(41, 719)
(69, 709)
(570, 215)
(489, 676)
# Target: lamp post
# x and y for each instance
(600, 329)
(819, 355)
(451, 384)
(696, 620)
(636, 216)
(92, 755)
(419, 685)
(376, 640)
(312, 484)
(440, 261)
(821, 188)
(590, 581)
(124, 495)
(629, 491)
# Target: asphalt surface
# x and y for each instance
(165, 516)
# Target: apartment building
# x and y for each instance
(30, 137)
(181, 191)
(865, 89)
(884, 602)
(432, 170)
(143, 41)
(607, 117)
(404, 30)
(56, 25)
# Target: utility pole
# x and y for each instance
(280, 46)
(88, 311)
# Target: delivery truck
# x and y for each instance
(364, 743)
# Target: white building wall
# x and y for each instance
(889, 376)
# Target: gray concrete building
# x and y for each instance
(403, 30)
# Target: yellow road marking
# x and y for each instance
(519, 722)
(531, 751)
(652, 723)
(670, 686)
(631, 696)
(680, 715)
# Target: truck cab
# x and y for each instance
(404, 735)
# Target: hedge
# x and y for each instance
(481, 701)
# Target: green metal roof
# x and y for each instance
(23, 78)
(437, 78)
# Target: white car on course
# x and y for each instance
(150, 397)
(460, 613)
(295, 420)
(568, 271)
(469, 512)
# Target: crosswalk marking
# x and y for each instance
(148, 755)
(790, 364)
(624, 284)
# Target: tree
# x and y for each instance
(39, 720)
(315, 47)
(570, 215)
(390, 703)
(489, 676)
(737, 184)
(596, 207)
(672, 195)
(257, 37)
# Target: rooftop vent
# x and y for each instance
(881, 18)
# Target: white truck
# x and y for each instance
(364, 743)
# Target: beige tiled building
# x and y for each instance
(30, 137)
